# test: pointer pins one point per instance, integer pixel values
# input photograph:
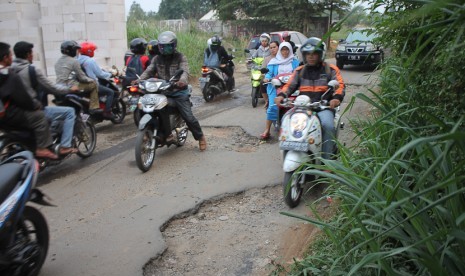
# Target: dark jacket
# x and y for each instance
(12, 90)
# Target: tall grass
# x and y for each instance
(401, 188)
(191, 42)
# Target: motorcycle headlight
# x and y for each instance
(152, 86)
(256, 75)
(298, 124)
(341, 48)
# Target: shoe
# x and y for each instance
(65, 151)
(108, 115)
(265, 136)
(95, 111)
(202, 143)
(45, 153)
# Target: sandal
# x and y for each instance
(264, 136)
(202, 144)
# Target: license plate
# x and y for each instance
(354, 57)
(292, 145)
(133, 101)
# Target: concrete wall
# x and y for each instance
(47, 23)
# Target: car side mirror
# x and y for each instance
(342, 40)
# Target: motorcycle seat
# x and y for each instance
(11, 175)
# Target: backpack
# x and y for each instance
(41, 93)
(138, 63)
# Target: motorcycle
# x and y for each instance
(157, 111)
(132, 94)
(118, 106)
(300, 139)
(84, 139)
(24, 234)
(256, 77)
(214, 81)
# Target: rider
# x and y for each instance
(18, 110)
(312, 80)
(69, 73)
(93, 71)
(164, 66)
(264, 49)
(287, 38)
(38, 86)
(138, 62)
(216, 56)
(152, 48)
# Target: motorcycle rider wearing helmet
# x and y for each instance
(164, 66)
(93, 71)
(38, 86)
(312, 80)
(264, 48)
(152, 48)
(138, 62)
(17, 109)
(216, 56)
(69, 73)
(287, 38)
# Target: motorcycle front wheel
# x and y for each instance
(119, 110)
(86, 139)
(293, 188)
(207, 93)
(255, 94)
(32, 235)
(136, 115)
(146, 145)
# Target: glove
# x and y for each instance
(181, 84)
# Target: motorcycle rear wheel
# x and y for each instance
(293, 188)
(208, 94)
(86, 140)
(146, 145)
(255, 93)
(33, 234)
(119, 110)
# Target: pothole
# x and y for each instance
(230, 138)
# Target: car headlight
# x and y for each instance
(369, 48)
(341, 48)
(298, 124)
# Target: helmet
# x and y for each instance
(138, 46)
(152, 47)
(167, 42)
(215, 42)
(265, 36)
(88, 48)
(69, 48)
(314, 45)
(286, 34)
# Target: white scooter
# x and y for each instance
(300, 139)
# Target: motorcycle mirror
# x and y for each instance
(334, 83)
(276, 82)
(246, 50)
(264, 70)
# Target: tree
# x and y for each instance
(136, 12)
(184, 9)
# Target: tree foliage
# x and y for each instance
(183, 9)
(136, 12)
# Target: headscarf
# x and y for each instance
(284, 64)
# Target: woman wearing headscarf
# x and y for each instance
(284, 62)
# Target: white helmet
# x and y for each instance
(209, 42)
(265, 36)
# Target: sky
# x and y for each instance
(146, 5)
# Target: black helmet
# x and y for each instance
(152, 47)
(167, 42)
(314, 45)
(69, 48)
(138, 46)
(215, 42)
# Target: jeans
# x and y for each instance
(183, 104)
(67, 114)
(329, 133)
(105, 91)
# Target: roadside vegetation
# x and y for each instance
(400, 190)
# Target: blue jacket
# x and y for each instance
(273, 72)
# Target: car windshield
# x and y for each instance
(360, 36)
